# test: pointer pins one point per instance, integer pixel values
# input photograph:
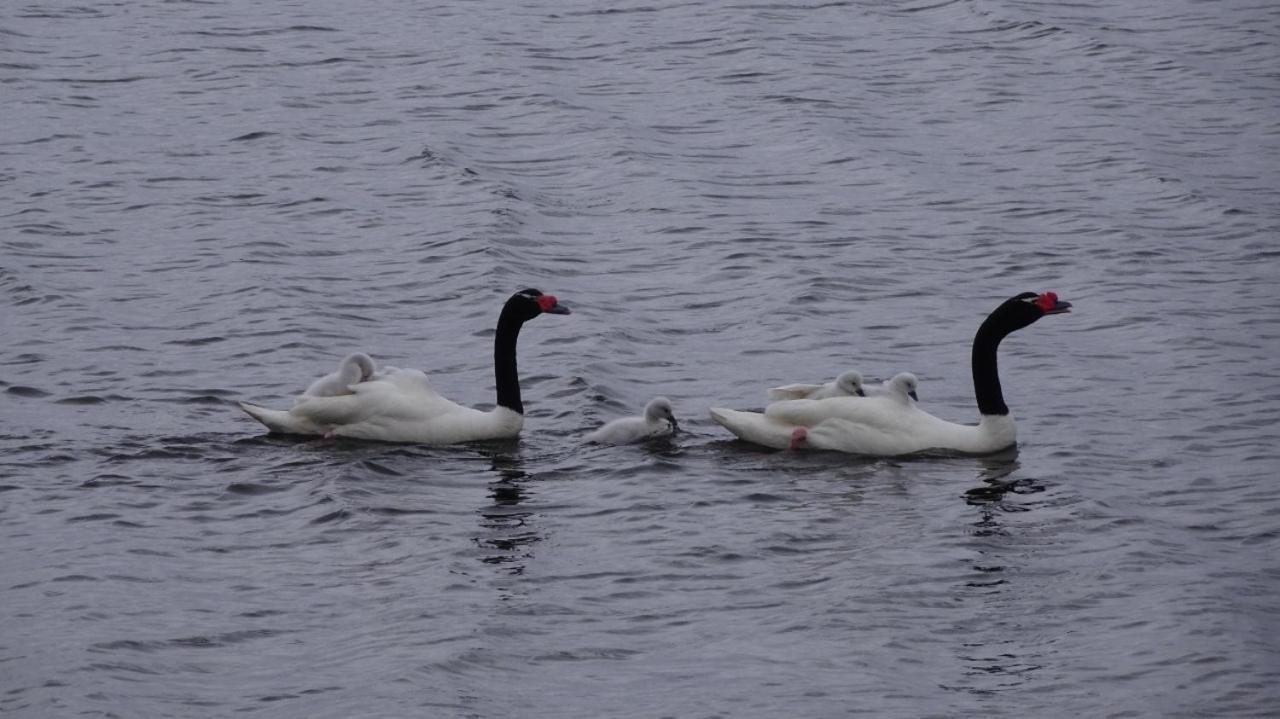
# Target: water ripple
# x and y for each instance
(730, 198)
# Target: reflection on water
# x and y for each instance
(999, 478)
(507, 535)
(995, 657)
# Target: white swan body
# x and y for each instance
(887, 425)
(658, 420)
(901, 386)
(399, 405)
(883, 426)
(847, 384)
(908, 432)
(353, 368)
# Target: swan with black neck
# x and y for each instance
(401, 406)
(883, 426)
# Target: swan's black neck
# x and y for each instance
(986, 373)
(504, 359)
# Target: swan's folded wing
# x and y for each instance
(326, 412)
(793, 391)
(412, 382)
(405, 395)
(842, 435)
(809, 412)
(402, 395)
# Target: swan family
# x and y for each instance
(845, 415)
(399, 405)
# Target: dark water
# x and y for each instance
(208, 201)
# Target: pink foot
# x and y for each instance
(798, 436)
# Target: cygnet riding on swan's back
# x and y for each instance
(658, 421)
(848, 384)
(401, 406)
(885, 426)
(902, 386)
(354, 368)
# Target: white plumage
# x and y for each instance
(354, 368)
(901, 386)
(891, 424)
(658, 420)
(399, 405)
(847, 384)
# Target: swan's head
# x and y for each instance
(1023, 309)
(850, 383)
(906, 384)
(659, 408)
(530, 303)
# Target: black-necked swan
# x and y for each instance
(353, 369)
(848, 384)
(401, 406)
(903, 386)
(883, 426)
(658, 420)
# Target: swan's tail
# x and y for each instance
(754, 427)
(278, 420)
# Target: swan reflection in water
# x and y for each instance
(506, 535)
(998, 479)
(993, 659)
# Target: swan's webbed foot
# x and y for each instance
(798, 437)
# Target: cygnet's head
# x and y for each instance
(850, 383)
(905, 383)
(659, 408)
(361, 361)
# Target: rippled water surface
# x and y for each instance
(210, 201)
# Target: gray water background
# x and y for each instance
(209, 201)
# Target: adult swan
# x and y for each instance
(882, 427)
(401, 406)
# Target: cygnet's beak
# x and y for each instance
(859, 392)
(912, 395)
(675, 426)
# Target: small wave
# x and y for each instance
(252, 136)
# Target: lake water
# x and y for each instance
(212, 201)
